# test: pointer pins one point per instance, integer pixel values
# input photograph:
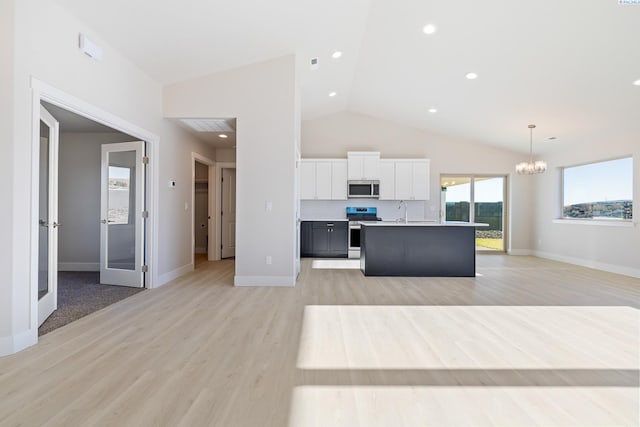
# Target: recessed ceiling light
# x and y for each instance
(222, 135)
(429, 29)
(332, 94)
(433, 110)
(471, 76)
(636, 83)
(337, 54)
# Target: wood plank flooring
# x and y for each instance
(527, 342)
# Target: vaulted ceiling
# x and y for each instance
(566, 65)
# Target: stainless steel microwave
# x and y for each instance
(364, 189)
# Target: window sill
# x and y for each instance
(606, 223)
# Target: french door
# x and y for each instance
(48, 217)
(122, 214)
(477, 198)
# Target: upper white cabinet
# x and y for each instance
(404, 179)
(387, 179)
(322, 179)
(412, 179)
(363, 165)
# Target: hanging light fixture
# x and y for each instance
(531, 167)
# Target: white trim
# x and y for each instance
(172, 275)
(602, 222)
(15, 343)
(78, 266)
(284, 281)
(50, 94)
(611, 268)
(520, 252)
(205, 160)
(44, 92)
(217, 252)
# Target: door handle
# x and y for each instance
(56, 225)
(43, 223)
(104, 221)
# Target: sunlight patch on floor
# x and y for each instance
(469, 337)
(341, 264)
(376, 406)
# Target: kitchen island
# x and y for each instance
(418, 249)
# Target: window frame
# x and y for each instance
(622, 222)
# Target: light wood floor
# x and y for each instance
(529, 342)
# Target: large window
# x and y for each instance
(600, 190)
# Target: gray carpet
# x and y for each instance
(80, 293)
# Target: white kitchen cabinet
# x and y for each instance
(363, 165)
(307, 180)
(411, 179)
(404, 179)
(323, 179)
(420, 180)
(339, 180)
(387, 179)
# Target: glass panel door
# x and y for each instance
(47, 216)
(477, 198)
(489, 209)
(456, 198)
(122, 206)
(43, 214)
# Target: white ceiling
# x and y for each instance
(566, 65)
(74, 123)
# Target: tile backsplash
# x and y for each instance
(335, 209)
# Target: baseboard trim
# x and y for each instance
(15, 343)
(278, 281)
(165, 278)
(520, 252)
(78, 266)
(611, 268)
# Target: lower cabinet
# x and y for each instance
(324, 239)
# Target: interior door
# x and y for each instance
(48, 217)
(228, 213)
(122, 208)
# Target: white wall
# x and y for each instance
(266, 115)
(6, 170)
(226, 155)
(46, 46)
(176, 212)
(334, 135)
(79, 196)
(615, 249)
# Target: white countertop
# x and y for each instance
(323, 219)
(422, 224)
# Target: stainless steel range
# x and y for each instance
(355, 215)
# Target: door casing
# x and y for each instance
(42, 91)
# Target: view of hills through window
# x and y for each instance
(602, 190)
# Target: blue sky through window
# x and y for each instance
(599, 182)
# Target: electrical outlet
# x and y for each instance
(267, 260)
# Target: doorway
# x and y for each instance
(202, 241)
(91, 216)
(481, 199)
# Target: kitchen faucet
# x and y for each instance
(403, 203)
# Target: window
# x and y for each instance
(119, 195)
(600, 190)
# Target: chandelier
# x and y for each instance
(531, 167)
